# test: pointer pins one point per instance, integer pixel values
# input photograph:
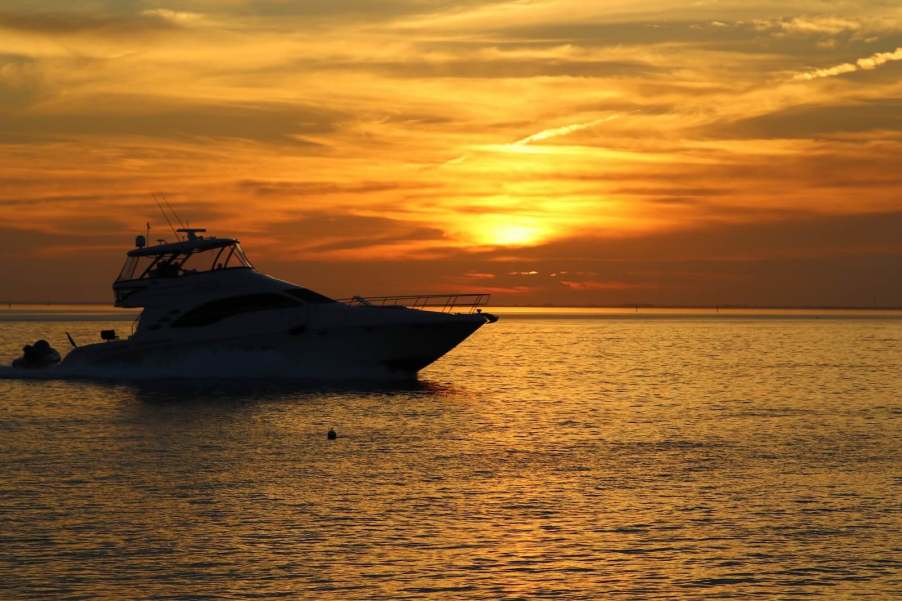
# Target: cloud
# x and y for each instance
(78, 22)
(314, 188)
(563, 131)
(175, 16)
(817, 120)
(879, 58)
(818, 25)
(267, 110)
(867, 63)
(312, 12)
(161, 117)
(597, 285)
(335, 235)
(514, 291)
(21, 81)
(798, 260)
(629, 33)
(497, 68)
(80, 199)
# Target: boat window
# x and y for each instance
(128, 270)
(180, 263)
(225, 257)
(136, 267)
(308, 296)
(213, 311)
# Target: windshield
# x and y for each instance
(181, 263)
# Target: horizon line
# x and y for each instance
(635, 306)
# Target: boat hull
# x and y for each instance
(378, 351)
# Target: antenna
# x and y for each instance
(172, 210)
(166, 217)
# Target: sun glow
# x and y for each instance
(373, 139)
(510, 231)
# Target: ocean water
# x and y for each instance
(556, 454)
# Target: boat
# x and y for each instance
(207, 312)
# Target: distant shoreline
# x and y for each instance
(6, 305)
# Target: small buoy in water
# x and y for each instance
(331, 435)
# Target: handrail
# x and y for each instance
(443, 303)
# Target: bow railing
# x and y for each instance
(443, 303)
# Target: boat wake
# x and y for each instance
(209, 365)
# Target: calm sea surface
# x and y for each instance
(569, 454)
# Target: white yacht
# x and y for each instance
(208, 313)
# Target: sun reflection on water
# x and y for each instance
(576, 455)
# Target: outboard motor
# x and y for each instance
(38, 355)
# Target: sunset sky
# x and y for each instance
(547, 151)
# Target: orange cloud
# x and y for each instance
(597, 285)
(486, 137)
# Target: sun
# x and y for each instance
(501, 230)
(514, 235)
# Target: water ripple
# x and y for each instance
(546, 458)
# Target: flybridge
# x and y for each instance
(192, 242)
(195, 254)
(192, 232)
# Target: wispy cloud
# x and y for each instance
(597, 285)
(819, 25)
(865, 64)
(174, 16)
(563, 131)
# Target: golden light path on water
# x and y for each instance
(575, 454)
